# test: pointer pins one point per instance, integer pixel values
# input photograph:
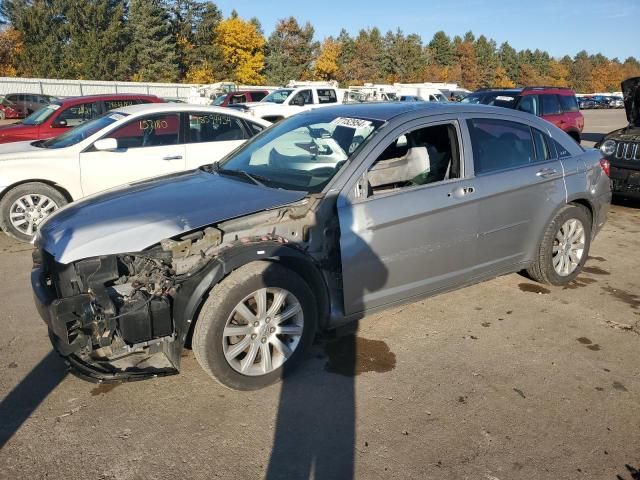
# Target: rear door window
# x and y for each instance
(150, 131)
(541, 144)
(327, 96)
(550, 105)
(568, 103)
(214, 127)
(500, 144)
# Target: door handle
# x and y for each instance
(546, 172)
(460, 192)
(174, 157)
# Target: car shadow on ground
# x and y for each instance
(25, 398)
(315, 432)
(628, 202)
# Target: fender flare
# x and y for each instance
(188, 305)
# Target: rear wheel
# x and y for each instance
(255, 326)
(26, 206)
(564, 248)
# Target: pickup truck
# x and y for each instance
(284, 102)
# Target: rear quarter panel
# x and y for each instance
(586, 181)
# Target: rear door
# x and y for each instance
(410, 234)
(519, 184)
(211, 136)
(147, 147)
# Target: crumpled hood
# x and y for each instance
(631, 92)
(137, 216)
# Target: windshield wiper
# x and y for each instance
(238, 173)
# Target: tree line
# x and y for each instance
(191, 41)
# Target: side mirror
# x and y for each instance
(106, 144)
(59, 124)
(298, 101)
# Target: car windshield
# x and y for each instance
(301, 153)
(440, 97)
(40, 116)
(219, 100)
(79, 133)
(279, 96)
(7, 103)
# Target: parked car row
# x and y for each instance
(600, 101)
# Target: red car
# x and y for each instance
(10, 110)
(557, 105)
(61, 115)
(242, 96)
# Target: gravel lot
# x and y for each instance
(502, 380)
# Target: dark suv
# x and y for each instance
(555, 104)
(622, 147)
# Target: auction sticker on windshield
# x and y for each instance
(53, 106)
(351, 122)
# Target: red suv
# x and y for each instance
(61, 115)
(243, 96)
(555, 104)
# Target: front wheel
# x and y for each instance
(564, 248)
(26, 206)
(255, 326)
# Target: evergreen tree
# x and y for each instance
(43, 27)
(442, 49)
(193, 24)
(508, 58)
(96, 40)
(487, 60)
(152, 52)
(289, 52)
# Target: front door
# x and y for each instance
(408, 227)
(147, 147)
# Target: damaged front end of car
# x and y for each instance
(127, 316)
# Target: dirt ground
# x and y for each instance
(503, 380)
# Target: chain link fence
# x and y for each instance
(70, 88)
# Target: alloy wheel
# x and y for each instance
(263, 331)
(568, 247)
(29, 211)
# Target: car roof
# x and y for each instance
(147, 108)
(94, 98)
(386, 111)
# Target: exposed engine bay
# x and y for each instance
(128, 315)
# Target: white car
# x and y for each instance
(284, 102)
(124, 145)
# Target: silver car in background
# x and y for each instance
(318, 221)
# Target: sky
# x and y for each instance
(610, 27)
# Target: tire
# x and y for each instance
(547, 266)
(215, 351)
(44, 200)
